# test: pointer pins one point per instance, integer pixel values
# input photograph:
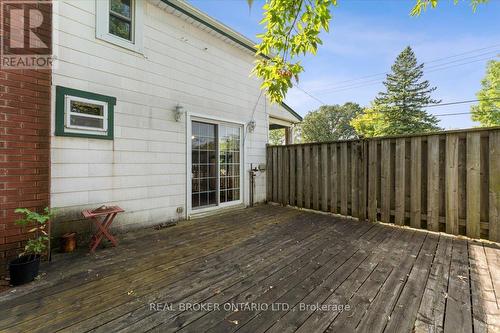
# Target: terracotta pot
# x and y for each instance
(68, 242)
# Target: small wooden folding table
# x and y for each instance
(102, 217)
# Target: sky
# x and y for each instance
(366, 36)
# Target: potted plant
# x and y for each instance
(24, 269)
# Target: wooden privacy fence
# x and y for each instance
(447, 181)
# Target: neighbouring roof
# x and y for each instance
(289, 109)
(220, 28)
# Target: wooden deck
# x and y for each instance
(393, 279)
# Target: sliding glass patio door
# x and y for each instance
(215, 164)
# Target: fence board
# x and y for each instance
(333, 179)
(400, 181)
(286, 177)
(275, 174)
(315, 177)
(372, 181)
(433, 183)
(343, 178)
(280, 176)
(307, 176)
(363, 186)
(473, 185)
(444, 180)
(354, 180)
(293, 175)
(416, 182)
(451, 179)
(324, 177)
(269, 173)
(385, 183)
(494, 187)
(300, 177)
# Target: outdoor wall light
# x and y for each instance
(251, 126)
(178, 112)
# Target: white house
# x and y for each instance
(154, 111)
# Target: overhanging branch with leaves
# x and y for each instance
(292, 30)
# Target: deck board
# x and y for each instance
(394, 279)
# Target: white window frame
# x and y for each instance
(102, 25)
(84, 129)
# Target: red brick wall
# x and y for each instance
(24, 152)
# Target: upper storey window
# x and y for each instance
(121, 18)
(120, 22)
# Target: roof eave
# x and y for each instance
(212, 23)
(289, 109)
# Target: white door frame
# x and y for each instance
(190, 117)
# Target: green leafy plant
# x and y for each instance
(38, 243)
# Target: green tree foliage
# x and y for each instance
(330, 123)
(370, 123)
(292, 29)
(277, 136)
(487, 112)
(399, 109)
(422, 5)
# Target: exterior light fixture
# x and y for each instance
(251, 126)
(178, 112)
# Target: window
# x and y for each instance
(215, 164)
(120, 22)
(120, 18)
(229, 157)
(84, 114)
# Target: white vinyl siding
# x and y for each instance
(144, 169)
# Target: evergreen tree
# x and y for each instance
(400, 109)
